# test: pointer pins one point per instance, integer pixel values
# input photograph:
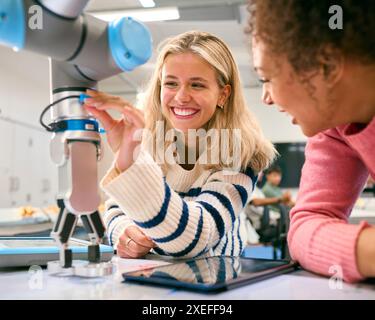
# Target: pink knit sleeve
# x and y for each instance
(320, 238)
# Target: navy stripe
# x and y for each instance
(243, 193)
(181, 225)
(216, 216)
(164, 275)
(225, 245)
(232, 236)
(111, 233)
(221, 272)
(194, 268)
(160, 251)
(234, 273)
(250, 173)
(239, 236)
(201, 252)
(192, 245)
(233, 264)
(159, 218)
(194, 192)
(217, 244)
(223, 200)
(216, 180)
(114, 218)
(114, 206)
(110, 238)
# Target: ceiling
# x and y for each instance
(224, 18)
(101, 5)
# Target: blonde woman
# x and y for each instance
(185, 207)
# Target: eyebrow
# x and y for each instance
(191, 79)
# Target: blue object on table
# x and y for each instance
(28, 251)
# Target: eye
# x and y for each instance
(170, 84)
(198, 85)
(263, 80)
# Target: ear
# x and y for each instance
(224, 95)
(332, 62)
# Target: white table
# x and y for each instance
(20, 284)
(363, 213)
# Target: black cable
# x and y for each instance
(50, 128)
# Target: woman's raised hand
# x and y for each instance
(120, 132)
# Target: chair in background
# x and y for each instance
(275, 235)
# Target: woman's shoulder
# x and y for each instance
(242, 176)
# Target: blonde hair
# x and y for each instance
(256, 151)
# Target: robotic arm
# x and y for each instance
(83, 50)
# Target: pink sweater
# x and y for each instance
(337, 165)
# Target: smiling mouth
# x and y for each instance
(184, 113)
(294, 121)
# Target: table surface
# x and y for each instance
(26, 284)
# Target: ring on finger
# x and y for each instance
(128, 242)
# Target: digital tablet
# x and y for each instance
(212, 274)
(28, 251)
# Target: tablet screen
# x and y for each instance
(212, 272)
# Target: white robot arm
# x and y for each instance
(82, 51)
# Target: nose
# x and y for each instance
(182, 95)
(266, 97)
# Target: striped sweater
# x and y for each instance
(186, 213)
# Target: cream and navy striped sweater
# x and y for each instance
(186, 213)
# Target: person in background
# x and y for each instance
(324, 78)
(271, 189)
(186, 207)
(263, 217)
(254, 210)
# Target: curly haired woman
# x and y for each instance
(325, 79)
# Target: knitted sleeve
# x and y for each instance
(180, 228)
(115, 221)
(320, 237)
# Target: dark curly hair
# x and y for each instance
(299, 29)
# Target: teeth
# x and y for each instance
(184, 112)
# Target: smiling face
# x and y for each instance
(189, 91)
(308, 103)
